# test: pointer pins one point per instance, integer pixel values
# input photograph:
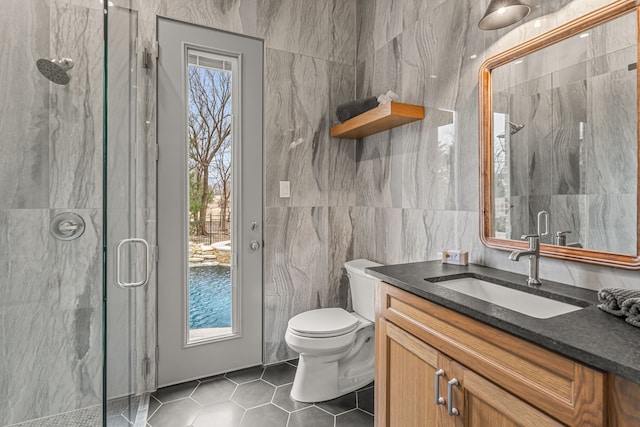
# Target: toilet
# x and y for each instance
(336, 347)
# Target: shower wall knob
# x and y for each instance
(254, 245)
(67, 226)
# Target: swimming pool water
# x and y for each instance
(209, 297)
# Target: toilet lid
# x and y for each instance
(323, 323)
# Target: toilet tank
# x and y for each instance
(362, 287)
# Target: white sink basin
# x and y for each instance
(522, 302)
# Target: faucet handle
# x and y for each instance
(534, 241)
(530, 236)
(561, 238)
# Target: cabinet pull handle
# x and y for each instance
(439, 400)
(450, 409)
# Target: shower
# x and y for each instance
(513, 129)
(56, 70)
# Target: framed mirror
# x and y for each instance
(559, 141)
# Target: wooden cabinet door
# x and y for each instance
(486, 404)
(405, 379)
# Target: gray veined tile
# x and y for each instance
(235, 15)
(179, 413)
(282, 398)
(75, 130)
(341, 233)
(355, 418)
(340, 404)
(311, 416)
(245, 375)
(175, 392)
(298, 17)
(364, 29)
(279, 374)
(265, 416)
(297, 131)
(213, 391)
(222, 414)
(24, 106)
(295, 271)
(252, 394)
(365, 400)
(342, 31)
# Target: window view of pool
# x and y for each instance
(209, 301)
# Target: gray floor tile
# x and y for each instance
(355, 418)
(340, 404)
(213, 391)
(154, 404)
(283, 400)
(265, 416)
(175, 392)
(293, 362)
(311, 417)
(179, 413)
(223, 414)
(117, 421)
(246, 375)
(255, 393)
(117, 406)
(279, 374)
(365, 400)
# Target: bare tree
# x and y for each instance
(222, 167)
(209, 127)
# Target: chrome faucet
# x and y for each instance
(534, 255)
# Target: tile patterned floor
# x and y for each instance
(119, 414)
(254, 397)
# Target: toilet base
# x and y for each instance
(321, 378)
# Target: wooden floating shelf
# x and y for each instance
(379, 119)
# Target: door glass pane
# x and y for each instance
(209, 138)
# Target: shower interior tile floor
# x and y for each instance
(254, 397)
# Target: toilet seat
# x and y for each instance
(323, 323)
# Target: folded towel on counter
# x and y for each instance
(631, 308)
(351, 109)
(612, 299)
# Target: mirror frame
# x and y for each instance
(590, 20)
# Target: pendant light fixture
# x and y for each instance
(502, 13)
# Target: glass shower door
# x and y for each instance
(127, 360)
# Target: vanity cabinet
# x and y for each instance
(501, 380)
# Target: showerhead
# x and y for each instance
(513, 129)
(55, 69)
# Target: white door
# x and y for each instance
(209, 201)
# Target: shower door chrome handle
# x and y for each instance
(145, 279)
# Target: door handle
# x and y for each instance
(450, 409)
(145, 279)
(439, 399)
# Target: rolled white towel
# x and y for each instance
(386, 98)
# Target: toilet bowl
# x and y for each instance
(336, 347)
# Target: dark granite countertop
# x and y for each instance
(590, 335)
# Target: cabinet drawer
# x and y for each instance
(568, 391)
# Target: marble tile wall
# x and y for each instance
(406, 185)
(51, 139)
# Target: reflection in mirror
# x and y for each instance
(564, 140)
